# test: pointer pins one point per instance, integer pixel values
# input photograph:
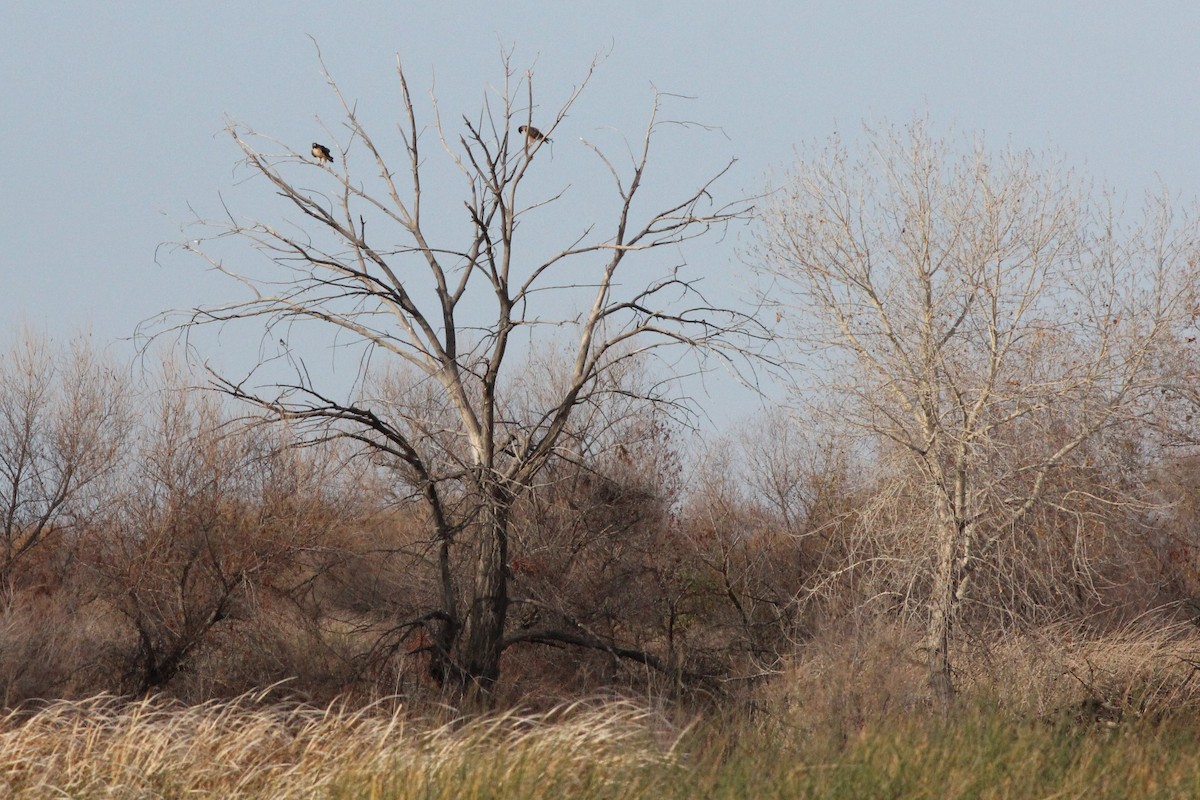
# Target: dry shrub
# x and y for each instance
(279, 647)
(57, 645)
(675, 558)
(1146, 668)
(595, 549)
(38, 649)
(847, 676)
(852, 676)
(213, 515)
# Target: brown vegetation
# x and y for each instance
(226, 558)
(983, 492)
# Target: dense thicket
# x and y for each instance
(203, 554)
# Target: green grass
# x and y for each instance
(971, 755)
(105, 748)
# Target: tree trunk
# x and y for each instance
(490, 606)
(442, 666)
(941, 613)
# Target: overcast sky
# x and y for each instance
(111, 112)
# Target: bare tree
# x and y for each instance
(983, 318)
(64, 418)
(382, 266)
(212, 513)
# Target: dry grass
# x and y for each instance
(846, 722)
(1148, 668)
(105, 747)
(1144, 669)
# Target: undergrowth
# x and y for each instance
(1112, 718)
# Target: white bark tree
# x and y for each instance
(983, 315)
(382, 269)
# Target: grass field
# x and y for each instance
(104, 748)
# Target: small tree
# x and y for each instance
(211, 515)
(983, 317)
(389, 273)
(64, 422)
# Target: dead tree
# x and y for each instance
(451, 294)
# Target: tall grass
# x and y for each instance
(107, 748)
(972, 755)
(1051, 715)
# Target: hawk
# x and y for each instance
(532, 134)
(321, 153)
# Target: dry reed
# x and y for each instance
(109, 747)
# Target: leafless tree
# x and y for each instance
(449, 294)
(212, 513)
(64, 418)
(984, 318)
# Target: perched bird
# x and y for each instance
(321, 153)
(532, 134)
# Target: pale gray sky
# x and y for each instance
(110, 112)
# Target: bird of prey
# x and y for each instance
(321, 153)
(532, 134)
